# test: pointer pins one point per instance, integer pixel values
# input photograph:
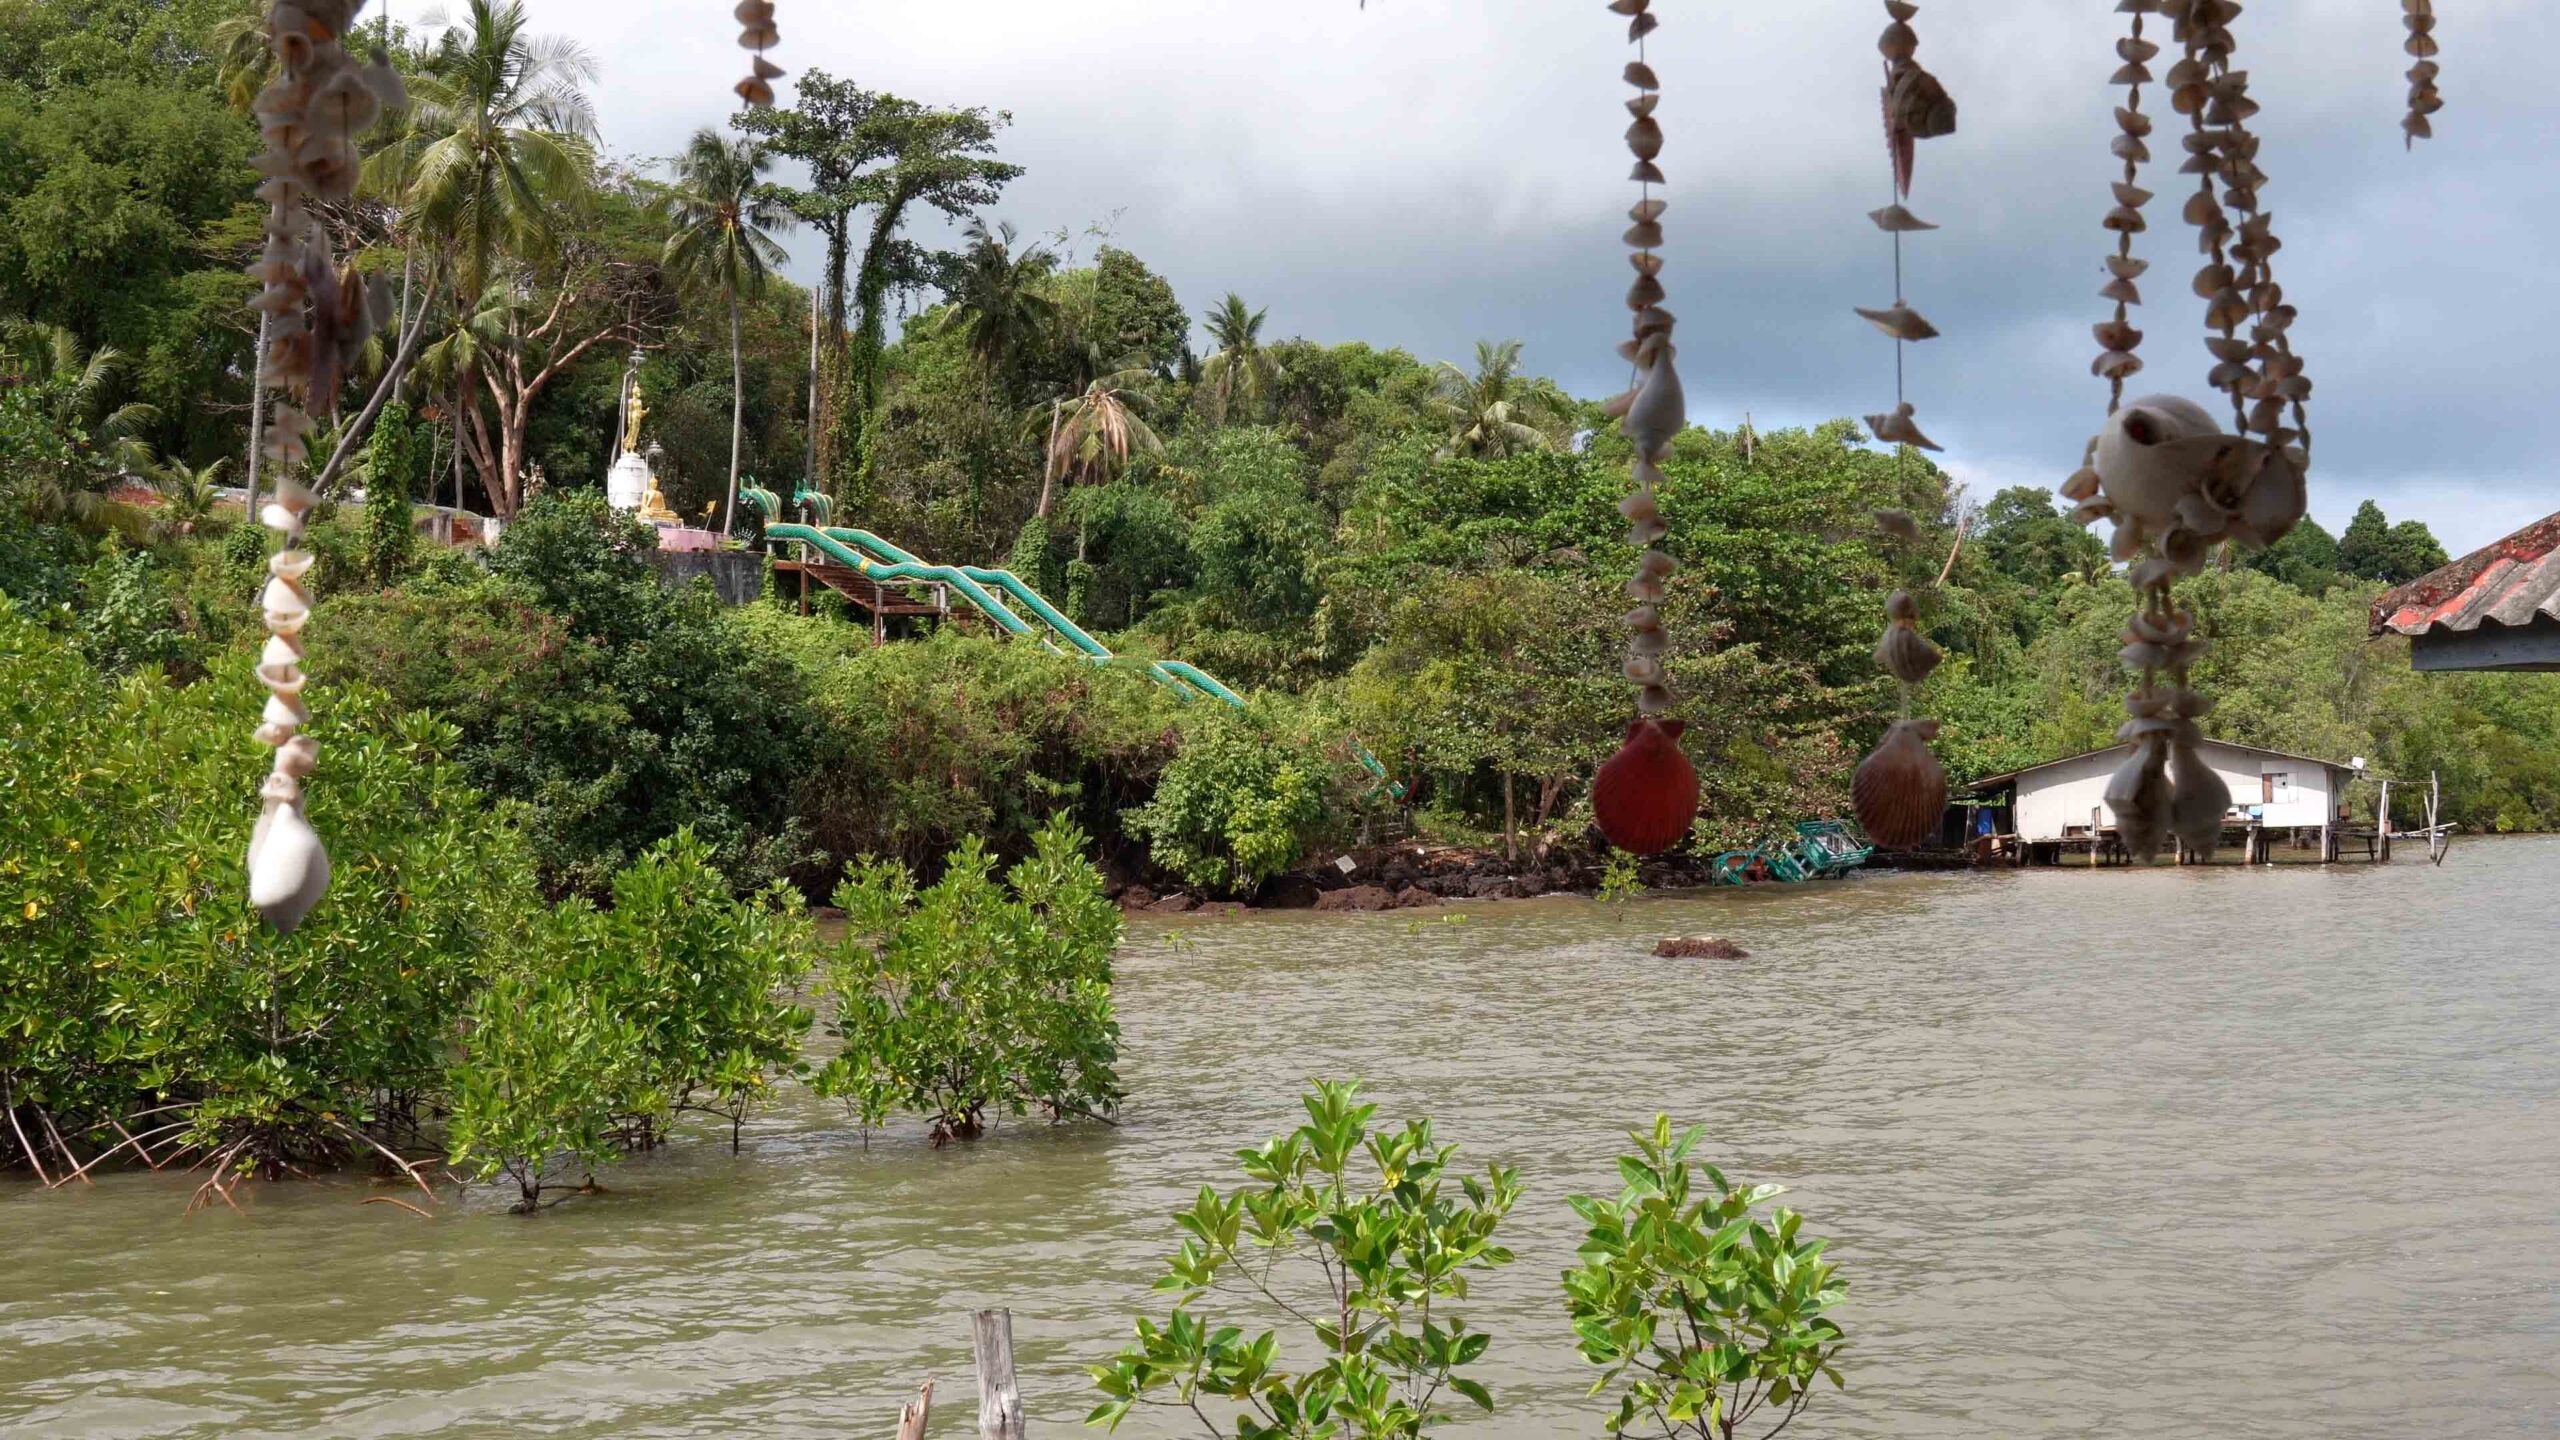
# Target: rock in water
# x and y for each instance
(1647, 793)
(1700, 947)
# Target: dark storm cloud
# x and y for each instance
(1429, 172)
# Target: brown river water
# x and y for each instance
(2166, 1153)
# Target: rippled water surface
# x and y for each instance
(2225, 1152)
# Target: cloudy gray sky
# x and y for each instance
(1427, 172)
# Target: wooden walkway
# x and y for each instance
(875, 599)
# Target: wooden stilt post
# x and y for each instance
(999, 1394)
(2382, 822)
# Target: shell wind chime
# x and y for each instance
(2419, 16)
(756, 32)
(1900, 790)
(1646, 795)
(319, 316)
(2162, 468)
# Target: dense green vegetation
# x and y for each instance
(439, 1008)
(576, 810)
(1421, 558)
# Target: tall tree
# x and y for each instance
(999, 309)
(1239, 366)
(497, 143)
(867, 149)
(722, 241)
(2373, 548)
(1497, 411)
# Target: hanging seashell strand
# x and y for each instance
(756, 32)
(318, 317)
(2161, 467)
(1900, 790)
(1646, 795)
(2420, 18)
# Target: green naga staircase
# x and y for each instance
(882, 562)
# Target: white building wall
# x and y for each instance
(2070, 796)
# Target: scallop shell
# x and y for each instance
(1900, 605)
(1646, 795)
(1906, 654)
(1899, 525)
(1900, 790)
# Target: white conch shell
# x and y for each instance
(2151, 453)
(1659, 409)
(2138, 794)
(1899, 321)
(288, 866)
(2201, 800)
(1896, 427)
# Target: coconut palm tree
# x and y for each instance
(186, 494)
(1095, 433)
(499, 139)
(998, 307)
(723, 216)
(1496, 412)
(1239, 365)
(74, 389)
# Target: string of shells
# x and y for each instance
(2161, 467)
(318, 317)
(756, 32)
(2419, 16)
(1645, 797)
(1899, 790)
(1653, 410)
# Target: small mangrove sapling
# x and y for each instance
(1364, 1237)
(1707, 1314)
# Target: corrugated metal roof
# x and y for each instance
(2511, 583)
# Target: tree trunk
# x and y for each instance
(737, 412)
(1510, 820)
(258, 412)
(1049, 463)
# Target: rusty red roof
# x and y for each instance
(2512, 582)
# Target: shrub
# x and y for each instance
(705, 980)
(1352, 1230)
(926, 743)
(1702, 1311)
(137, 987)
(1236, 807)
(549, 1069)
(619, 711)
(973, 996)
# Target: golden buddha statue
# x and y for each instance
(653, 504)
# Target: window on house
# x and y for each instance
(2278, 787)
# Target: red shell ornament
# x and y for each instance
(1647, 793)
